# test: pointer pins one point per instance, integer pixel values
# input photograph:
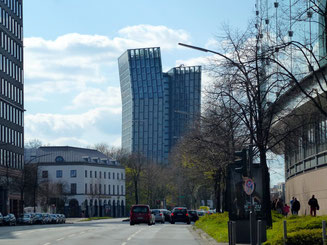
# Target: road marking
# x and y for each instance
(18, 234)
(48, 243)
(60, 239)
(72, 235)
(124, 243)
(129, 238)
(82, 232)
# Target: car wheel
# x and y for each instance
(131, 223)
(188, 222)
(149, 223)
(172, 222)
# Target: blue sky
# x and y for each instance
(72, 94)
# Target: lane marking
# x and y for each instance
(48, 243)
(124, 243)
(72, 235)
(82, 232)
(18, 234)
(60, 239)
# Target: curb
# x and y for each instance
(204, 238)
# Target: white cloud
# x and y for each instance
(94, 97)
(80, 73)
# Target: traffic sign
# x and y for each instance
(248, 186)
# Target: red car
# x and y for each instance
(141, 213)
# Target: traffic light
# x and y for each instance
(240, 162)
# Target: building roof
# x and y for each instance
(69, 154)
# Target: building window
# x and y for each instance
(117, 175)
(59, 173)
(90, 174)
(104, 189)
(109, 190)
(44, 174)
(85, 188)
(104, 175)
(73, 188)
(113, 175)
(91, 189)
(95, 174)
(59, 159)
(85, 173)
(122, 176)
(113, 190)
(117, 189)
(100, 174)
(109, 175)
(73, 173)
(122, 190)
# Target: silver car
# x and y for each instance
(159, 215)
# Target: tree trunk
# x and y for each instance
(136, 192)
(266, 187)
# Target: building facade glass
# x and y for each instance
(11, 100)
(156, 106)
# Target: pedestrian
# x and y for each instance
(296, 206)
(279, 206)
(291, 202)
(286, 210)
(314, 206)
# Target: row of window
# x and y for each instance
(11, 91)
(114, 175)
(99, 191)
(10, 159)
(11, 24)
(14, 6)
(11, 69)
(11, 114)
(11, 46)
(73, 174)
(11, 136)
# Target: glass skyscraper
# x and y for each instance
(157, 107)
(11, 104)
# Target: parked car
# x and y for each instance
(167, 214)
(9, 219)
(38, 218)
(25, 219)
(1, 219)
(46, 218)
(158, 215)
(193, 215)
(141, 214)
(63, 218)
(54, 219)
(180, 215)
(200, 213)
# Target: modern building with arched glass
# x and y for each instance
(158, 107)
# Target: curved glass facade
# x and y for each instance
(151, 100)
(306, 148)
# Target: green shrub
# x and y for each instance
(302, 237)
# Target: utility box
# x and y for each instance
(239, 205)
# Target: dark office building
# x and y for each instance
(158, 107)
(11, 105)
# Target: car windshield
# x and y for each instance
(27, 216)
(183, 211)
(140, 209)
(155, 211)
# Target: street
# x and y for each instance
(106, 232)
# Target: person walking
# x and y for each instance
(286, 210)
(314, 206)
(291, 202)
(296, 206)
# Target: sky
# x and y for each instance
(71, 47)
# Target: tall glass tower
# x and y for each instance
(11, 104)
(157, 107)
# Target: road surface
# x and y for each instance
(101, 232)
